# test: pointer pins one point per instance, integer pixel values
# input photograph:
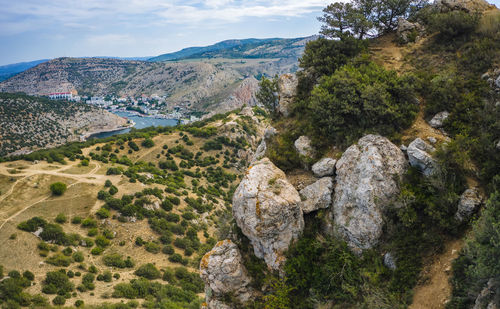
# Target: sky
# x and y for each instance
(45, 29)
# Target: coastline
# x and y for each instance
(85, 136)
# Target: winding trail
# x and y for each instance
(90, 177)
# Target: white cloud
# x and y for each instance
(78, 12)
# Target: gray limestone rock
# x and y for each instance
(223, 272)
(419, 156)
(317, 196)
(470, 200)
(267, 209)
(367, 176)
(324, 167)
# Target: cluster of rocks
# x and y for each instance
(407, 31)
(493, 78)
(356, 192)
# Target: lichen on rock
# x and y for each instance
(267, 209)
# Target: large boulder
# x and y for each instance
(267, 209)
(287, 88)
(469, 6)
(317, 196)
(367, 182)
(304, 147)
(469, 202)
(438, 120)
(419, 155)
(406, 30)
(324, 167)
(223, 272)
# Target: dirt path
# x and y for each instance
(90, 177)
(8, 193)
(23, 210)
(435, 291)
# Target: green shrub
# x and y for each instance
(79, 303)
(148, 271)
(76, 220)
(361, 99)
(97, 251)
(116, 260)
(78, 257)
(454, 24)
(89, 223)
(61, 218)
(113, 190)
(103, 213)
(59, 259)
(152, 247)
(29, 275)
(148, 143)
(59, 300)
(58, 188)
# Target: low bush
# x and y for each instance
(58, 188)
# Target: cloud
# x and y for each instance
(42, 13)
(109, 39)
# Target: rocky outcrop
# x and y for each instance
(267, 209)
(324, 167)
(486, 299)
(419, 156)
(389, 261)
(438, 120)
(287, 86)
(223, 272)
(366, 185)
(153, 203)
(317, 196)
(407, 31)
(469, 6)
(270, 132)
(470, 200)
(247, 111)
(260, 152)
(304, 147)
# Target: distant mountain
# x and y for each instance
(7, 71)
(247, 48)
(220, 77)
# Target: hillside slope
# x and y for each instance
(247, 48)
(30, 123)
(220, 79)
(134, 205)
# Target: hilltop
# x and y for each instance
(247, 48)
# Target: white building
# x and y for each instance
(61, 96)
